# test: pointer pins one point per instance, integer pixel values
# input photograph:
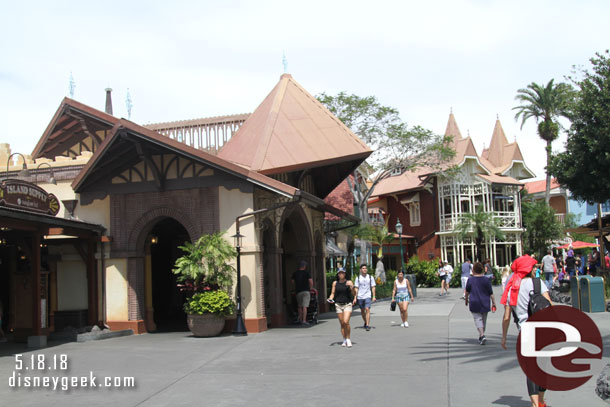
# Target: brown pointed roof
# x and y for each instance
(291, 131)
(501, 155)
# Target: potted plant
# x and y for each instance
(205, 274)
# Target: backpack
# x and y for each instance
(537, 300)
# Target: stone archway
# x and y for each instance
(296, 245)
(139, 287)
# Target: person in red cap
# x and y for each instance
(516, 297)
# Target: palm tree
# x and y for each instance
(545, 104)
(480, 225)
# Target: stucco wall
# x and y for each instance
(71, 284)
(116, 290)
(231, 203)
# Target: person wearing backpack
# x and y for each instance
(364, 295)
(522, 297)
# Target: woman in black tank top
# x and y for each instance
(342, 295)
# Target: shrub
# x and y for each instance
(210, 302)
(426, 272)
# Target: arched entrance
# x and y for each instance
(166, 299)
(296, 245)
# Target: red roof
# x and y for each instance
(535, 187)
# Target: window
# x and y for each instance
(414, 214)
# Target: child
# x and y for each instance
(478, 295)
(505, 275)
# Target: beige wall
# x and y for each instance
(231, 203)
(71, 284)
(116, 290)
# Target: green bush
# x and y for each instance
(456, 277)
(210, 302)
(426, 272)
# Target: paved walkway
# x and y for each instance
(435, 362)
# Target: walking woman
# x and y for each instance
(341, 295)
(402, 294)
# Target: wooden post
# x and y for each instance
(37, 314)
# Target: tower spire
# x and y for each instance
(72, 86)
(129, 104)
(285, 61)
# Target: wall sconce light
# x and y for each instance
(52, 178)
(154, 239)
(24, 169)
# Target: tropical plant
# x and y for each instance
(205, 266)
(541, 226)
(210, 302)
(545, 104)
(426, 271)
(480, 225)
(378, 235)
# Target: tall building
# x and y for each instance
(430, 203)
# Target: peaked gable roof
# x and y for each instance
(291, 130)
(74, 128)
(501, 155)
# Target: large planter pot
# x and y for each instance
(205, 325)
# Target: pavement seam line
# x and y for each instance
(448, 354)
(186, 374)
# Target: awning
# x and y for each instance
(332, 250)
(410, 198)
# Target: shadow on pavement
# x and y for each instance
(468, 350)
(512, 401)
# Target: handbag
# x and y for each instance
(393, 306)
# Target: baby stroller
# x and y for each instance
(312, 309)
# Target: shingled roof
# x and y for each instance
(291, 130)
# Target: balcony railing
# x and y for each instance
(506, 220)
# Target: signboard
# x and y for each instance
(26, 196)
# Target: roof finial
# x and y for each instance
(497, 116)
(72, 85)
(468, 132)
(129, 104)
(108, 101)
(451, 110)
(285, 61)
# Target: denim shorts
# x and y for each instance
(364, 303)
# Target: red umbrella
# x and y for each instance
(578, 245)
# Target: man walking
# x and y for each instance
(365, 294)
(466, 272)
(303, 284)
(548, 268)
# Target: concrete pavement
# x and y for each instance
(435, 362)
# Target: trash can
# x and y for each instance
(413, 281)
(592, 295)
(575, 283)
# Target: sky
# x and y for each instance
(191, 59)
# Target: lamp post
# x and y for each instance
(399, 231)
(240, 327)
(24, 168)
(52, 178)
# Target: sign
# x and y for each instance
(560, 348)
(26, 196)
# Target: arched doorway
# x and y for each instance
(296, 245)
(167, 300)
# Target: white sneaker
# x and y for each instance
(344, 342)
(348, 343)
(403, 324)
(406, 325)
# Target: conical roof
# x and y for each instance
(291, 130)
